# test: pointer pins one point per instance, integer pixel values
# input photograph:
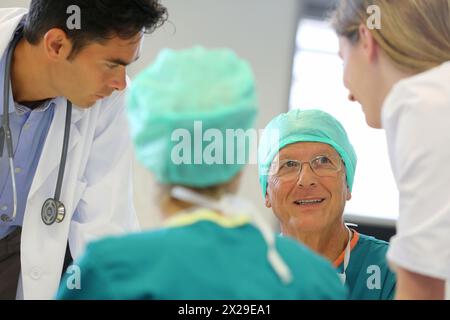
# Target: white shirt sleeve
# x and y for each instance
(416, 117)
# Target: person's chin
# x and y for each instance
(87, 103)
(307, 222)
(373, 122)
(372, 119)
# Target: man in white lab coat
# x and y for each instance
(67, 50)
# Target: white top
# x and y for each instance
(416, 117)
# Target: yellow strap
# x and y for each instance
(188, 218)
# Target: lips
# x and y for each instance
(309, 202)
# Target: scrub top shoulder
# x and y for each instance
(368, 273)
(206, 256)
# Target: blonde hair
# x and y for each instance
(415, 34)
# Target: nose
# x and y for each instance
(306, 177)
(351, 97)
(119, 81)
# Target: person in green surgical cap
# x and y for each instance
(214, 245)
(306, 174)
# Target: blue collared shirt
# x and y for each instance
(29, 130)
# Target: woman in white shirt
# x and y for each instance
(396, 65)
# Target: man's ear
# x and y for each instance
(349, 194)
(56, 44)
(267, 201)
(368, 43)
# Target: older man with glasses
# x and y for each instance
(306, 168)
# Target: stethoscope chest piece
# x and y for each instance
(52, 210)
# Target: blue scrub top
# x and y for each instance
(201, 255)
(368, 274)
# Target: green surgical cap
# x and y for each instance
(304, 126)
(181, 109)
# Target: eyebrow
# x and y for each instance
(318, 154)
(122, 62)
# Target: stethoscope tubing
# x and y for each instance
(6, 130)
(6, 136)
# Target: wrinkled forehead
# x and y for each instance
(305, 151)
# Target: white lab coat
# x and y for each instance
(97, 186)
(415, 116)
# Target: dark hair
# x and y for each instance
(100, 20)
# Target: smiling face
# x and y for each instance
(309, 203)
(96, 71)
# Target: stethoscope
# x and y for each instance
(52, 209)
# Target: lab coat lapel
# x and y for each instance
(51, 153)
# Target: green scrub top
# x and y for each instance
(201, 255)
(368, 274)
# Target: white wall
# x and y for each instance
(261, 31)
(14, 3)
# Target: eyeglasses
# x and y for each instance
(322, 166)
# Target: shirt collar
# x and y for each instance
(14, 106)
(185, 218)
(21, 109)
(353, 243)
